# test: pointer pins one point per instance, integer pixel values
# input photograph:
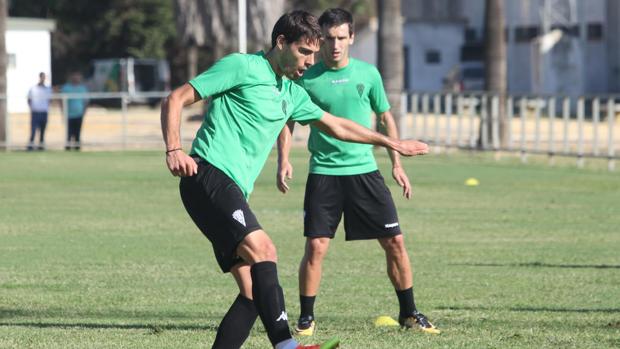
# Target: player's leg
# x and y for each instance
(70, 134)
(310, 272)
(322, 214)
(238, 321)
(370, 213)
(34, 125)
(43, 125)
(78, 131)
(219, 209)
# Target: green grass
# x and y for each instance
(96, 251)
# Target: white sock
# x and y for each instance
(287, 344)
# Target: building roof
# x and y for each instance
(23, 23)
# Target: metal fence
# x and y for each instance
(580, 127)
(112, 121)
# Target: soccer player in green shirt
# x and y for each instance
(252, 97)
(343, 176)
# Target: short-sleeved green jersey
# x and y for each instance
(352, 92)
(248, 108)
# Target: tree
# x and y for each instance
(212, 25)
(3, 116)
(102, 29)
(495, 62)
(390, 52)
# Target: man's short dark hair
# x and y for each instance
(296, 25)
(334, 17)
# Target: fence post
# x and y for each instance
(611, 115)
(522, 116)
(425, 116)
(436, 112)
(484, 126)
(65, 119)
(596, 115)
(510, 117)
(414, 112)
(473, 103)
(124, 119)
(403, 115)
(448, 119)
(459, 125)
(565, 119)
(551, 116)
(495, 122)
(580, 121)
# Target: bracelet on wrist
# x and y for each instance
(171, 150)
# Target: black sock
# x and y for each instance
(236, 325)
(307, 306)
(406, 302)
(269, 301)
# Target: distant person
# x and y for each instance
(39, 102)
(76, 108)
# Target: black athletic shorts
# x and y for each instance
(219, 209)
(365, 200)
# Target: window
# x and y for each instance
(11, 61)
(433, 57)
(570, 30)
(526, 34)
(595, 31)
(471, 35)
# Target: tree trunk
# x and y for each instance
(3, 57)
(495, 63)
(390, 52)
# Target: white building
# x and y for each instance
(441, 36)
(28, 47)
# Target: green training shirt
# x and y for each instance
(352, 92)
(249, 106)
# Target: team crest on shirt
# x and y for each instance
(284, 107)
(239, 217)
(360, 89)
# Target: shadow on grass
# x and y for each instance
(540, 265)
(151, 327)
(534, 309)
(133, 320)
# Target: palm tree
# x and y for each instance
(495, 62)
(3, 116)
(390, 52)
(212, 24)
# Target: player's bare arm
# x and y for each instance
(388, 126)
(285, 169)
(179, 163)
(349, 131)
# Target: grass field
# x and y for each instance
(96, 251)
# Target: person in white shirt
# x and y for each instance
(39, 101)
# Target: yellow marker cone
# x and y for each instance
(385, 320)
(471, 182)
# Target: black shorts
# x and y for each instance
(365, 200)
(219, 209)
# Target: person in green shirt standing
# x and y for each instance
(343, 176)
(252, 97)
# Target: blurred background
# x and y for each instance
(522, 77)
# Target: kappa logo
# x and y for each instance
(360, 89)
(391, 225)
(284, 107)
(282, 316)
(238, 216)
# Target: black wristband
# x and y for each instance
(171, 150)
